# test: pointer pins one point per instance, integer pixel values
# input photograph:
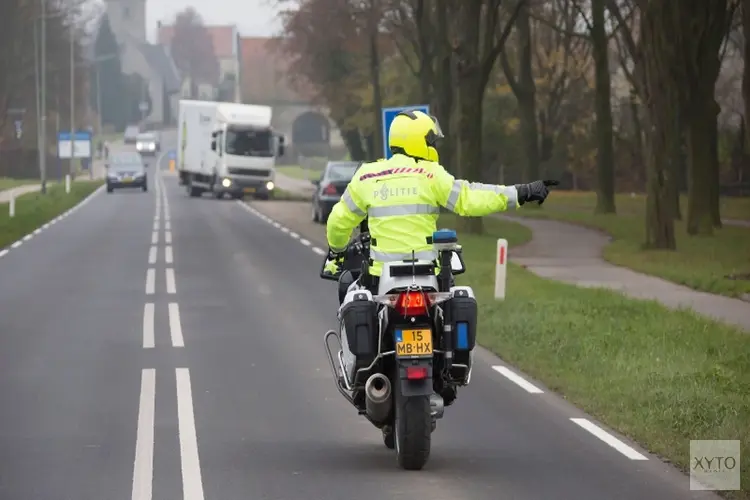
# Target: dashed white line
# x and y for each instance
(517, 379)
(168, 237)
(3, 253)
(608, 438)
(318, 251)
(28, 237)
(192, 484)
(16, 244)
(150, 281)
(148, 326)
(152, 255)
(294, 235)
(168, 255)
(167, 226)
(155, 237)
(143, 466)
(284, 230)
(175, 325)
(156, 225)
(171, 286)
(37, 231)
(305, 242)
(277, 225)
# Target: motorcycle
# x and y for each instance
(403, 352)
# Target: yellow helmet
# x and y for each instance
(415, 134)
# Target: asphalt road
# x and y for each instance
(158, 346)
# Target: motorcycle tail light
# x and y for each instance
(412, 304)
(416, 372)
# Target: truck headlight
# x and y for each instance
(269, 185)
(226, 183)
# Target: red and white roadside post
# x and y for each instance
(501, 268)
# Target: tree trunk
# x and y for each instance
(443, 88)
(676, 157)
(657, 90)
(527, 97)
(746, 71)
(715, 168)
(377, 96)
(353, 141)
(605, 158)
(639, 149)
(469, 94)
(700, 192)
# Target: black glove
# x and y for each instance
(536, 191)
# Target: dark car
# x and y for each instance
(131, 134)
(330, 187)
(125, 169)
(147, 144)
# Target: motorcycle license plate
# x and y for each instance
(411, 343)
(249, 190)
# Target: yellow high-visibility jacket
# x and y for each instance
(402, 197)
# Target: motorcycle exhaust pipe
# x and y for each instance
(378, 398)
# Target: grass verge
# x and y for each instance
(298, 172)
(281, 195)
(34, 209)
(712, 264)
(658, 376)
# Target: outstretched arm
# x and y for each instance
(472, 199)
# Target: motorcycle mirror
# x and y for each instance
(457, 263)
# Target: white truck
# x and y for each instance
(227, 149)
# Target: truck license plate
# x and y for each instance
(411, 343)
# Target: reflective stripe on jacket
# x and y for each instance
(402, 199)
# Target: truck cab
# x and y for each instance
(245, 158)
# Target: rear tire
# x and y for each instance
(412, 429)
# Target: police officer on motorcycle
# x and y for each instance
(401, 198)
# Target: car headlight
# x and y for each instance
(152, 146)
(269, 185)
(226, 183)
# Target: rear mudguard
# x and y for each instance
(409, 388)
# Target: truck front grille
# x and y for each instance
(253, 172)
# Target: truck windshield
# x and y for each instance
(249, 142)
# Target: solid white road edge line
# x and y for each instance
(150, 281)
(152, 254)
(143, 465)
(192, 484)
(148, 325)
(171, 285)
(517, 379)
(608, 438)
(168, 255)
(175, 325)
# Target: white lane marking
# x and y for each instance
(45, 226)
(192, 484)
(156, 218)
(305, 242)
(284, 229)
(171, 286)
(168, 255)
(318, 251)
(155, 237)
(277, 225)
(517, 379)
(148, 325)
(168, 237)
(3, 253)
(156, 225)
(37, 231)
(152, 255)
(294, 235)
(28, 237)
(175, 325)
(167, 226)
(150, 281)
(608, 438)
(16, 244)
(143, 466)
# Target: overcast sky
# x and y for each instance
(252, 17)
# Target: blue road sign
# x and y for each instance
(389, 114)
(79, 148)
